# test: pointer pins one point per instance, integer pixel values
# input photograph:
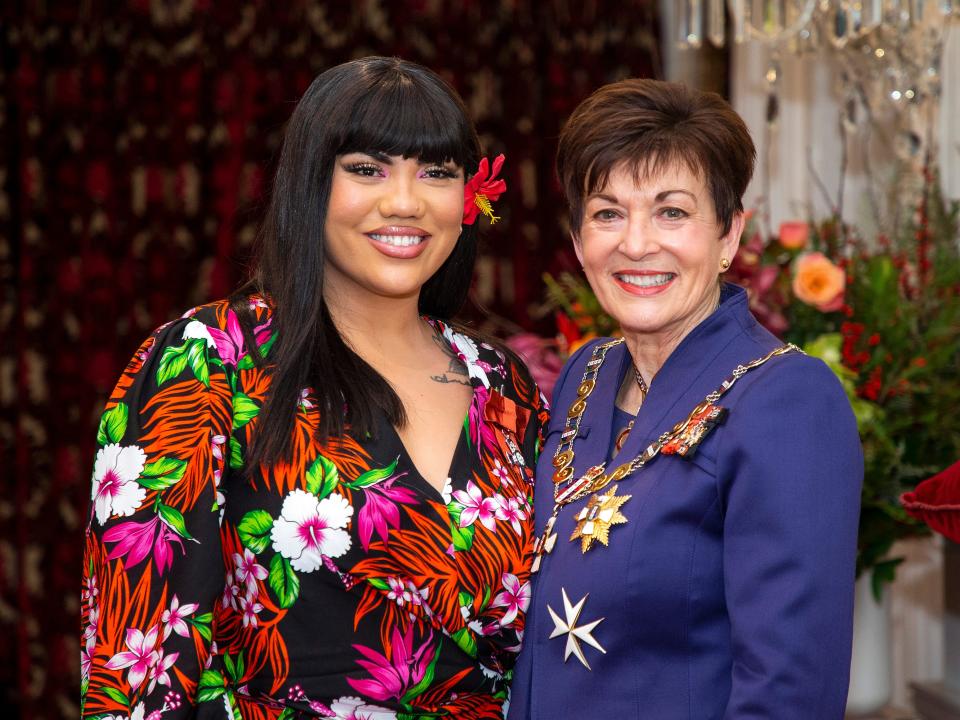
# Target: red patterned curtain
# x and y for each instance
(136, 142)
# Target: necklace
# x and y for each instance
(618, 443)
(642, 385)
(601, 512)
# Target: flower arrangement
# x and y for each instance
(884, 315)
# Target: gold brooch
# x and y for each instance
(599, 515)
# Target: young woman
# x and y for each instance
(314, 499)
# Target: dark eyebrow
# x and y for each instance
(379, 156)
(661, 196)
(604, 196)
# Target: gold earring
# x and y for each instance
(724, 264)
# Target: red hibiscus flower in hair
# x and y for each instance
(483, 189)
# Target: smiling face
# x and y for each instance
(651, 251)
(391, 223)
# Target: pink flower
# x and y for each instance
(480, 431)
(514, 597)
(380, 513)
(512, 511)
(140, 656)
(249, 607)
(134, 540)
(249, 571)
(86, 658)
(230, 346)
(476, 506)
(173, 618)
(794, 235)
(158, 672)
(393, 674)
(231, 592)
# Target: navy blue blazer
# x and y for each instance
(728, 594)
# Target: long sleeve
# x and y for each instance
(153, 567)
(790, 471)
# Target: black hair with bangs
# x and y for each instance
(371, 105)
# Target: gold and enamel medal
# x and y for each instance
(602, 511)
(600, 514)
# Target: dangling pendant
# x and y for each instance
(596, 519)
(544, 544)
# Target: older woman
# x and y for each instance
(698, 492)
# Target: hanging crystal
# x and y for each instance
(773, 101)
(854, 18)
(716, 22)
(695, 8)
(916, 10)
(871, 14)
(772, 21)
(690, 23)
(738, 9)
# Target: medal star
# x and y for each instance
(575, 633)
(596, 519)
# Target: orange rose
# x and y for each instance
(794, 235)
(818, 282)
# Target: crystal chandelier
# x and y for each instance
(886, 54)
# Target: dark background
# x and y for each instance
(136, 148)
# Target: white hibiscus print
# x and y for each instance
(353, 708)
(309, 529)
(115, 488)
(196, 329)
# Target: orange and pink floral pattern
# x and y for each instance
(339, 584)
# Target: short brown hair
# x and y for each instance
(651, 125)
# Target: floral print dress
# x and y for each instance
(339, 584)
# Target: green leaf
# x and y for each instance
(372, 477)
(240, 666)
(465, 599)
(244, 410)
(113, 424)
(173, 518)
(486, 598)
(378, 583)
(322, 477)
(204, 631)
(231, 668)
(236, 454)
(254, 530)
(284, 581)
(205, 618)
(266, 347)
(427, 678)
(246, 362)
(162, 474)
(465, 640)
(462, 537)
(117, 696)
(212, 685)
(172, 363)
(287, 714)
(197, 357)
